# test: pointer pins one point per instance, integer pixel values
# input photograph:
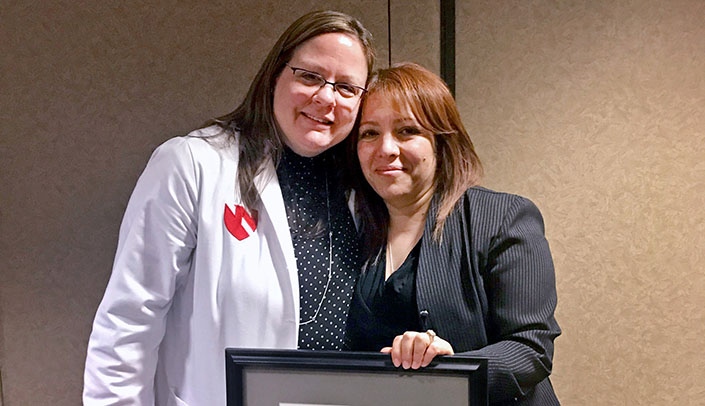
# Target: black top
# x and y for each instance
(487, 286)
(381, 310)
(325, 245)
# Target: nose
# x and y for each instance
(388, 145)
(325, 94)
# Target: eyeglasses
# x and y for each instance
(313, 79)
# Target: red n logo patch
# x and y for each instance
(240, 224)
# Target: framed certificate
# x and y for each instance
(259, 377)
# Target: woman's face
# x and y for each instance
(315, 118)
(397, 155)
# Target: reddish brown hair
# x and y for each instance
(433, 106)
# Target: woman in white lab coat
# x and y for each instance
(238, 234)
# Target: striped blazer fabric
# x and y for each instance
(488, 287)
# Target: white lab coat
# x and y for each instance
(183, 288)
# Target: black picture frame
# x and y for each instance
(275, 377)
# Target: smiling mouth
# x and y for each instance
(317, 119)
(389, 170)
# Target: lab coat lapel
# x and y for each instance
(272, 201)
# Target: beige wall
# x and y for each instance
(596, 110)
(415, 32)
(592, 109)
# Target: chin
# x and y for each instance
(313, 142)
(311, 150)
(322, 143)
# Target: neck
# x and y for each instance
(406, 226)
(409, 217)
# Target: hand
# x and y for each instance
(415, 349)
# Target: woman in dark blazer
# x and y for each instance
(451, 267)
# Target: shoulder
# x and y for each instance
(204, 146)
(205, 155)
(482, 204)
(480, 197)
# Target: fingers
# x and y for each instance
(396, 352)
(415, 349)
(437, 347)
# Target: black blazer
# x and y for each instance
(489, 289)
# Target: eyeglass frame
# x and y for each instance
(324, 82)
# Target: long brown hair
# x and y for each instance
(259, 135)
(433, 106)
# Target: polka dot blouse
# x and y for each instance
(325, 245)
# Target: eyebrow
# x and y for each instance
(397, 121)
(344, 78)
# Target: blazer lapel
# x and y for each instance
(446, 296)
(432, 281)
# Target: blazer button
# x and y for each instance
(423, 319)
